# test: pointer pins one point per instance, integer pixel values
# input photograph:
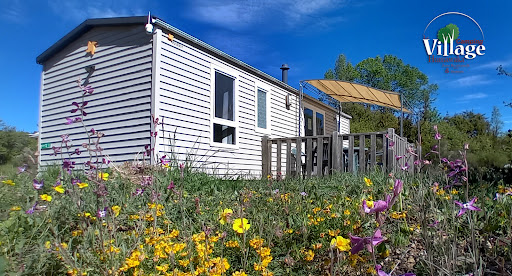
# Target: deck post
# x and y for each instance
(390, 155)
(336, 152)
(265, 154)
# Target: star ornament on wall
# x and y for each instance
(91, 47)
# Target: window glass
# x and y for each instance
(308, 121)
(224, 94)
(223, 134)
(319, 124)
(262, 108)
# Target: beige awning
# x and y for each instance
(344, 91)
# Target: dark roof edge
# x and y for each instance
(83, 28)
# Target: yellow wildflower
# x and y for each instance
(9, 182)
(239, 273)
(241, 225)
(333, 233)
(346, 212)
(255, 243)
(46, 197)
(369, 203)
(371, 270)
(59, 189)
(116, 209)
(77, 233)
(162, 268)
(103, 176)
(454, 192)
(47, 244)
(224, 216)
(82, 185)
(368, 182)
(309, 255)
(15, 208)
(341, 243)
(232, 244)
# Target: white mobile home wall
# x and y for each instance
(120, 106)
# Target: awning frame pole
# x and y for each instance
(300, 107)
(402, 115)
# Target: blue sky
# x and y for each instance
(308, 35)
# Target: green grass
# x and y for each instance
(290, 223)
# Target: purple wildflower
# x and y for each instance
(405, 167)
(22, 169)
(303, 194)
(399, 186)
(138, 192)
(378, 206)
(38, 185)
(79, 107)
(171, 186)
(102, 213)
(88, 89)
(370, 242)
(56, 150)
(466, 206)
(434, 224)
(105, 161)
(147, 180)
(67, 165)
(32, 209)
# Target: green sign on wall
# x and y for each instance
(46, 145)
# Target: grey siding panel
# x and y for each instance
(120, 106)
(184, 102)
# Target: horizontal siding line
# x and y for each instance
(207, 113)
(96, 126)
(166, 68)
(179, 113)
(101, 51)
(169, 77)
(86, 119)
(138, 73)
(257, 157)
(105, 58)
(101, 112)
(174, 116)
(77, 143)
(168, 59)
(103, 67)
(170, 87)
(108, 133)
(192, 50)
(240, 82)
(127, 94)
(206, 67)
(171, 92)
(173, 73)
(244, 76)
(186, 104)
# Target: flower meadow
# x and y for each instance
(167, 219)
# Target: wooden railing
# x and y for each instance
(325, 154)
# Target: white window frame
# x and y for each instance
(266, 88)
(214, 120)
(315, 110)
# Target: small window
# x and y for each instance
(224, 129)
(224, 94)
(262, 108)
(308, 117)
(224, 134)
(319, 124)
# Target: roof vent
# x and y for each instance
(284, 69)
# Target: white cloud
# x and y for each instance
(494, 64)
(472, 80)
(474, 96)
(81, 10)
(13, 11)
(288, 14)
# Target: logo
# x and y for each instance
(453, 46)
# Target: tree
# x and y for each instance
(496, 122)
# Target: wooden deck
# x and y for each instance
(322, 155)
